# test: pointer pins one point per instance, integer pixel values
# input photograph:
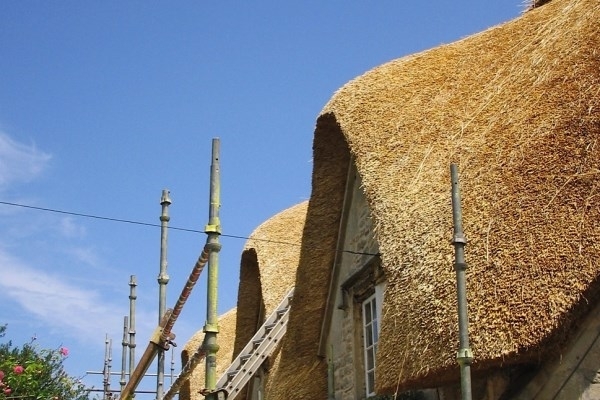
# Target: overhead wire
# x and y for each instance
(149, 224)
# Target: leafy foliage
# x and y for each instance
(30, 373)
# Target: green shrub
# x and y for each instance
(30, 373)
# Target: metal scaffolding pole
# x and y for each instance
(162, 336)
(185, 373)
(172, 366)
(163, 279)
(213, 230)
(107, 366)
(464, 356)
(124, 343)
(132, 298)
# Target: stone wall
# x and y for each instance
(575, 373)
(344, 349)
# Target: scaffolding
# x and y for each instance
(162, 338)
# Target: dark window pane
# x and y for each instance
(370, 359)
(367, 309)
(369, 335)
(375, 334)
(371, 382)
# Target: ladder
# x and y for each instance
(261, 346)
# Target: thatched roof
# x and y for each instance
(517, 107)
(268, 272)
(225, 339)
(274, 249)
(268, 269)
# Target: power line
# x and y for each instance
(128, 221)
(125, 221)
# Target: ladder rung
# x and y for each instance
(270, 327)
(232, 374)
(245, 358)
(267, 338)
(282, 311)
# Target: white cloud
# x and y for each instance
(84, 255)
(19, 162)
(69, 228)
(55, 302)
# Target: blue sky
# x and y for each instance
(104, 104)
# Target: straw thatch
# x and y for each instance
(273, 249)
(301, 375)
(225, 339)
(517, 107)
(249, 301)
(267, 273)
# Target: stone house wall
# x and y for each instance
(344, 344)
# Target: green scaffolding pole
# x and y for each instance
(213, 230)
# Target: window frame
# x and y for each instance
(367, 283)
(370, 333)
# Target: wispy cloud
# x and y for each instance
(71, 229)
(53, 274)
(54, 301)
(84, 255)
(19, 162)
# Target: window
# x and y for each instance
(362, 296)
(371, 335)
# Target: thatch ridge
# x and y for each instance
(268, 271)
(276, 243)
(517, 107)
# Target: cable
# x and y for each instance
(127, 221)
(84, 215)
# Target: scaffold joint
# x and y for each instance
(214, 328)
(213, 228)
(459, 238)
(464, 356)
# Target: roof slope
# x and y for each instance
(267, 273)
(276, 245)
(518, 108)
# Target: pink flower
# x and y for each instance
(18, 369)
(1, 375)
(64, 351)
(7, 391)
